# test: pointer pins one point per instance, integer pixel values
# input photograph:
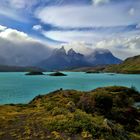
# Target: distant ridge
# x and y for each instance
(130, 65)
(4, 68)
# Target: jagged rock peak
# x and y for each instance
(60, 50)
(71, 52)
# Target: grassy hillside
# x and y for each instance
(101, 114)
(130, 65)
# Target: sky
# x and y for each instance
(81, 24)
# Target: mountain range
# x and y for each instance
(54, 59)
(60, 59)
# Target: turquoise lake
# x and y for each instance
(18, 88)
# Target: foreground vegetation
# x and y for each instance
(102, 114)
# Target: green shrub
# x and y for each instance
(71, 106)
(86, 103)
(58, 111)
(103, 102)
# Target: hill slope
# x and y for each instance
(74, 115)
(130, 65)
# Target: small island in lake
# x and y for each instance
(90, 72)
(35, 73)
(57, 74)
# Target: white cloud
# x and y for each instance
(138, 26)
(121, 47)
(88, 16)
(121, 44)
(18, 48)
(89, 36)
(17, 9)
(8, 12)
(132, 11)
(19, 38)
(70, 36)
(80, 47)
(20, 4)
(37, 27)
(15, 36)
(2, 28)
(98, 2)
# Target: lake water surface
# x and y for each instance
(18, 88)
